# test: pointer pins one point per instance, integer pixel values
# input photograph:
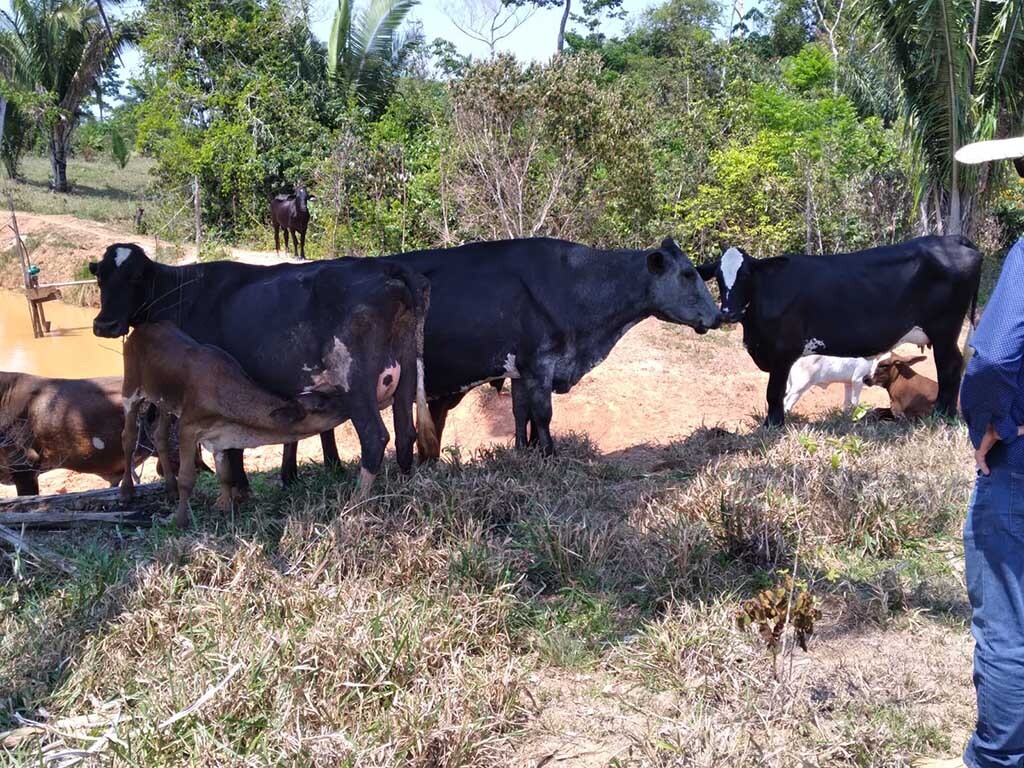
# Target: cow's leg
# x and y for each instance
(373, 439)
(129, 439)
(295, 244)
(226, 498)
(847, 395)
(329, 447)
(162, 438)
(277, 238)
(284, 231)
(521, 412)
(776, 394)
(289, 463)
(302, 244)
(401, 411)
(186, 473)
(439, 415)
(26, 481)
(234, 461)
(948, 364)
(538, 396)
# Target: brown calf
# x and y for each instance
(215, 401)
(73, 424)
(912, 395)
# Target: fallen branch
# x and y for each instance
(80, 500)
(37, 551)
(202, 700)
(73, 518)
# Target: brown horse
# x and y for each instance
(291, 213)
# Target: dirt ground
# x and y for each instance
(659, 383)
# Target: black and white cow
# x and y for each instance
(851, 305)
(314, 332)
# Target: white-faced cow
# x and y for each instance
(543, 313)
(851, 305)
(316, 332)
(291, 214)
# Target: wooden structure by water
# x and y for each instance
(36, 294)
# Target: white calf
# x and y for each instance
(822, 370)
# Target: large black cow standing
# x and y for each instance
(542, 313)
(315, 332)
(851, 305)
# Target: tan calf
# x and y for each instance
(215, 401)
(912, 395)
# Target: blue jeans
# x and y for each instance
(994, 554)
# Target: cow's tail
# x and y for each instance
(428, 445)
(972, 317)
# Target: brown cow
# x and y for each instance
(912, 395)
(217, 404)
(71, 424)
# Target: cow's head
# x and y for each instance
(892, 368)
(301, 199)
(734, 273)
(676, 290)
(120, 275)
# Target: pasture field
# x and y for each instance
(101, 191)
(500, 609)
(503, 610)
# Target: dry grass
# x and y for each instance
(507, 610)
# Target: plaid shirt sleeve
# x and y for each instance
(991, 384)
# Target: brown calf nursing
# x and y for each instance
(215, 401)
(912, 395)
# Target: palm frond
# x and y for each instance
(338, 43)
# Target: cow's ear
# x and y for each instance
(94, 267)
(656, 262)
(708, 269)
(668, 245)
(915, 359)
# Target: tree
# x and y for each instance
(487, 21)
(960, 67)
(61, 47)
(363, 48)
(234, 95)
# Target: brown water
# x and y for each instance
(69, 351)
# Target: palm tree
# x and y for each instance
(960, 66)
(58, 48)
(362, 47)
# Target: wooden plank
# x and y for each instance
(37, 551)
(73, 519)
(81, 500)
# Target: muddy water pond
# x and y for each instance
(69, 351)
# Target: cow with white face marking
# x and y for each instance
(344, 337)
(857, 304)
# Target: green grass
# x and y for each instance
(101, 191)
(419, 628)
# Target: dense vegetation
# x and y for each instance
(822, 125)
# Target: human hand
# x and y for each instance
(990, 438)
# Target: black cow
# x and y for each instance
(851, 305)
(310, 332)
(542, 313)
(291, 213)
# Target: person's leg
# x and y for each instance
(994, 554)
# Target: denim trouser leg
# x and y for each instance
(994, 552)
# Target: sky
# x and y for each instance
(534, 40)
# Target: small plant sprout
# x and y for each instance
(788, 602)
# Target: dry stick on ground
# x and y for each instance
(80, 500)
(37, 551)
(74, 518)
